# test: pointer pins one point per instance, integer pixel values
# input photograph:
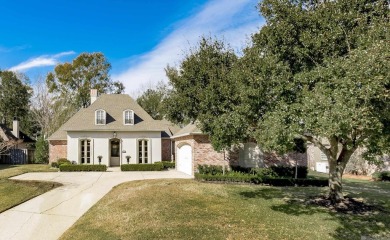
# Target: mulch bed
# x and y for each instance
(347, 206)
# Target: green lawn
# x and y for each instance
(15, 192)
(186, 209)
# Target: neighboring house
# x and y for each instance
(113, 128)
(20, 147)
(193, 148)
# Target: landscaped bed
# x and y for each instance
(187, 209)
(14, 192)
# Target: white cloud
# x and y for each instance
(233, 21)
(41, 61)
(12, 49)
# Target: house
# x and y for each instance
(193, 148)
(16, 147)
(113, 130)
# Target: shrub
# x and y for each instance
(41, 153)
(67, 167)
(158, 166)
(248, 178)
(167, 164)
(62, 161)
(242, 169)
(264, 172)
(54, 164)
(210, 169)
(284, 171)
(381, 176)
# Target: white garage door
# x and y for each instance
(184, 159)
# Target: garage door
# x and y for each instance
(184, 159)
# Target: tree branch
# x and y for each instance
(317, 143)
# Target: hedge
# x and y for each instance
(158, 166)
(247, 178)
(83, 168)
(210, 169)
(283, 171)
(225, 178)
(168, 164)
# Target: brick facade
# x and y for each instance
(57, 149)
(166, 149)
(203, 153)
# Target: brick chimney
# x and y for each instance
(15, 127)
(94, 95)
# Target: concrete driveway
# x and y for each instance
(49, 215)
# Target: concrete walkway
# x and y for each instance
(49, 215)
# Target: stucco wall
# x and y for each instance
(57, 149)
(100, 145)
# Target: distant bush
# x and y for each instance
(62, 161)
(168, 164)
(54, 164)
(158, 166)
(381, 176)
(210, 169)
(82, 168)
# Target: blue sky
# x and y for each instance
(139, 38)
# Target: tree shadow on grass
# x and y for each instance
(372, 223)
(6, 166)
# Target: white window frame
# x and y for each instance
(131, 115)
(104, 117)
(85, 156)
(144, 142)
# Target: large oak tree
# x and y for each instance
(317, 71)
(75, 80)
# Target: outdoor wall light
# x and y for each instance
(128, 159)
(114, 134)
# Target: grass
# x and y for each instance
(14, 192)
(186, 209)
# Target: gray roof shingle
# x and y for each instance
(114, 105)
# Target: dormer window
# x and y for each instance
(128, 117)
(100, 117)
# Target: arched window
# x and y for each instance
(100, 117)
(128, 117)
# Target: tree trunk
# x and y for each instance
(336, 170)
(335, 181)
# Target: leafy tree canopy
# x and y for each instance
(75, 80)
(15, 94)
(152, 99)
(317, 71)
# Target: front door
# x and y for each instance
(115, 150)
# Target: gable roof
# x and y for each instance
(170, 128)
(7, 135)
(190, 129)
(114, 105)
